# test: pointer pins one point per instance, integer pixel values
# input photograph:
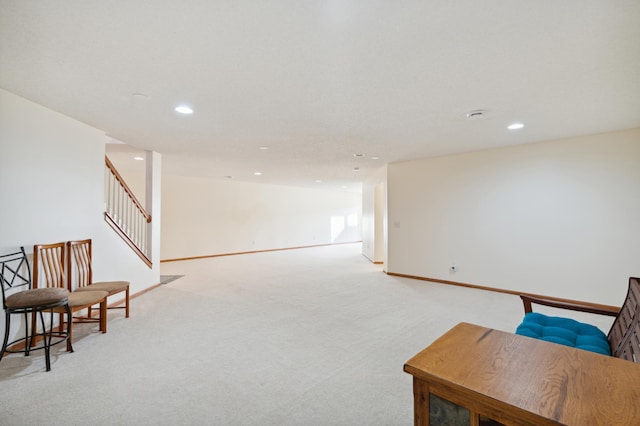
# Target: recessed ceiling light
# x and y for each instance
(229, 177)
(138, 158)
(318, 181)
(264, 148)
(356, 169)
(183, 109)
(344, 186)
(358, 155)
(515, 126)
(257, 173)
(375, 158)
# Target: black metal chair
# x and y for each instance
(18, 297)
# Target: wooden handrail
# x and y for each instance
(528, 300)
(127, 240)
(125, 214)
(127, 190)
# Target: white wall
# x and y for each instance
(559, 218)
(202, 217)
(52, 189)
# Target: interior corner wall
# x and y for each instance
(374, 216)
(380, 204)
(205, 217)
(52, 185)
(557, 218)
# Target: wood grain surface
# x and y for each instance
(519, 380)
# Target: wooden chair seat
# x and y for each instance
(111, 287)
(82, 299)
(85, 300)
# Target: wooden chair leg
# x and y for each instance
(127, 304)
(30, 343)
(61, 322)
(103, 316)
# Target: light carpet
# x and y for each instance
(314, 336)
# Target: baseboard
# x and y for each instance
(500, 290)
(373, 261)
(254, 251)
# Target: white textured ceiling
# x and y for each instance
(318, 81)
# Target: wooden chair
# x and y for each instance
(19, 297)
(80, 274)
(623, 337)
(49, 272)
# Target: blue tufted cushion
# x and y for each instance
(564, 331)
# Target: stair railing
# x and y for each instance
(125, 213)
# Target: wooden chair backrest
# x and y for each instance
(79, 263)
(624, 336)
(48, 266)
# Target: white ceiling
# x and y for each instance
(319, 81)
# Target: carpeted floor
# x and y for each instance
(313, 336)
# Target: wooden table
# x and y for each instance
(517, 380)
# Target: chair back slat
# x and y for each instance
(630, 349)
(79, 263)
(624, 336)
(48, 266)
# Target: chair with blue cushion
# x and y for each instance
(622, 341)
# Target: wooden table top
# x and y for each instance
(557, 383)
